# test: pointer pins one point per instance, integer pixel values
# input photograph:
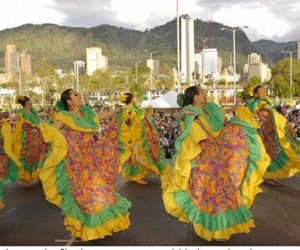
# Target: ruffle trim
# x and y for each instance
(78, 230)
(146, 165)
(208, 227)
(56, 187)
(287, 163)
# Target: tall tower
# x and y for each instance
(11, 61)
(25, 63)
(187, 49)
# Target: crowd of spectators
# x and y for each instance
(166, 123)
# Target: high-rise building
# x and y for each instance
(254, 58)
(95, 60)
(154, 65)
(16, 62)
(257, 68)
(11, 61)
(209, 63)
(79, 68)
(25, 63)
(187, 49)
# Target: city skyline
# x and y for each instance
(278, 22)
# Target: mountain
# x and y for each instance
(61, 45)
(273, 50)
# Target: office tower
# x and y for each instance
(25, 64)
(95, 60)
(257, 68)
(79, 68)
(209, 63)
(187, 49)
(11, 61)
(254, 58)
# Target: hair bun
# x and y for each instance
(19, 99)
(123, 97)
(180, 99)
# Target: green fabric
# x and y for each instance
(212, 222)
(70, 207)
(88, 121)
(254, 149)
(135, 108)
(254, 103)
(215, 120)
(33, 116)
(282, 158)
(12, 176)
(133, 170)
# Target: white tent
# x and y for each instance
(166, 101)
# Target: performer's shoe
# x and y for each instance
(273, 182)
(142, 181)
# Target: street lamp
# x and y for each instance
(136, 72)
(233, 30)
(78, 65)
(178, 47)
(291, 72)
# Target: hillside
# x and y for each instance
(272, 50)
(60, 45)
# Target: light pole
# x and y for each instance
(291, 72)
(233, 30)
(77, 65)
(178, 48)
(136, 72)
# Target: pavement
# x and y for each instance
(29, 220)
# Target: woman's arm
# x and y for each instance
(107, 114)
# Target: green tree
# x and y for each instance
(280, 87)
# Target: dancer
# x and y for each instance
(8, 172)
(278, 137)
(80, 172)
(217, 169)
(141, 153)
(28, 143)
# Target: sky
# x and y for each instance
(276, 20)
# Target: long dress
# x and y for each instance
(29, 146)
(216, 174)
(141, 154)
(8, 171)
(79, 176)
(279, 139)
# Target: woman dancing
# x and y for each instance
(28, 143)
(217, 169)
(141, 153)
(80, 172)
(278, 137)
(8, 172)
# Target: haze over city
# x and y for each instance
(278, 21)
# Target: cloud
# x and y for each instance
(277, 20)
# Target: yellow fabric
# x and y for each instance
(8, 142)
(58, 153)
(78, 230)
(223, 234)
(66, 119)
(17, 138)
(292, 165)
(190, 148)
(245, 114)
(131, 138)
(251, 187)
